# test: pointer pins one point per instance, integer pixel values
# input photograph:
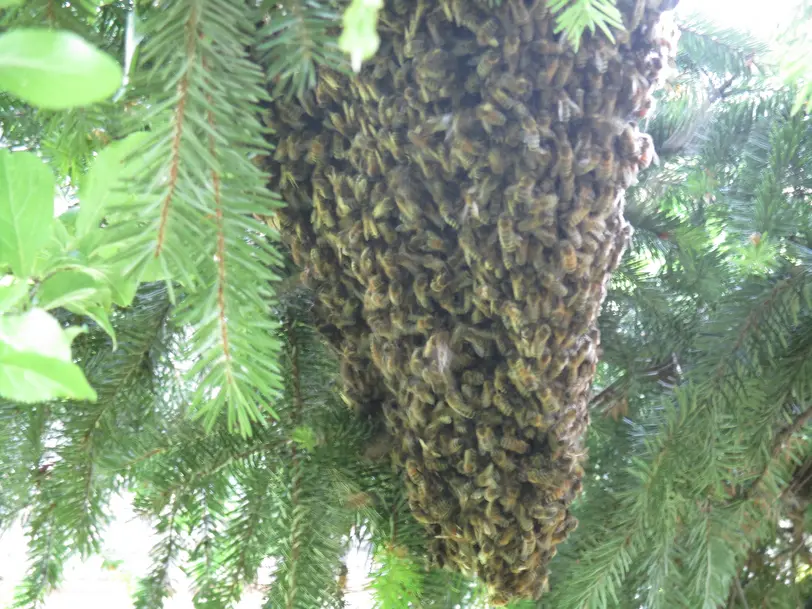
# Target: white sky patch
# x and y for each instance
(763, 20)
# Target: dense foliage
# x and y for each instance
(697, 491)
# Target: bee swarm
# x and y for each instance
(457, 207)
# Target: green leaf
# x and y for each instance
(35, 360)
(98, 314)
(13, 294)
(81, 291)
(55, 69)
(8, 3)
(359, 37)
(103, 181)
(72, 287)
(122, 286)
(26, 209)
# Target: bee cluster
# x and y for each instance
(457, 207)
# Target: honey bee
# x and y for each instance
(421, 291)
(523, 376)
(513, 316)
(508, 238)
(487, 477)
(496, 161)
(503, 404)
(528, 545)
(413, 471)
(564, 167)
(510, 50)
(514, 444)
(458, 405)
(317, 152)
(569, 257)
(441, 280)
(507, 536)
(486, 439)
(647, 152)
(562, 74)
(489, 116)
(486, 397)
(486, 33)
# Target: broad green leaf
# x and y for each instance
(68, 219)
(35, 360)
(13, 294)
(359, 38)
(30, 377)
(26, 209)
(71, 287)
(55, 69)
(81, 291)
(102, 183)
(8, 3)
(98, 314)
(122, 286)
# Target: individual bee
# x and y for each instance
(490, 116)
(486, 33)
(523, 376)
(506, 537)
(503, 404)
(518, 284)
(610, 95)
(414, 472)
(510, 50)
(455, 401)
(322, 214)
(416, 414)
(568, 257)
(514, 444)
(528, 545)
(486, 439)
(317, 150)
(395, 294)
(486, 397)
(541, 335)
(523, 518)
(440, 281)
(562, 74)
(567, 108)
(627, 142)
(375, 297)
(487, 477)
(512, 316)
(496, 161)
(508, 238)
(647, 152)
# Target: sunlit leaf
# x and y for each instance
(71, 287)
(35, 360)
(13, 294)
(359, 38)
(104, 180)
(55, 69)
(26, 209)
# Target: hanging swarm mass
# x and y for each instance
(458, 208)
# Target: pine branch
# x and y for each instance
(299, 37)
(199, 185)
(156, 586)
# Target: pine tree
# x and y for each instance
(697, 491)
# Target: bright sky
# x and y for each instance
(762, 19)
